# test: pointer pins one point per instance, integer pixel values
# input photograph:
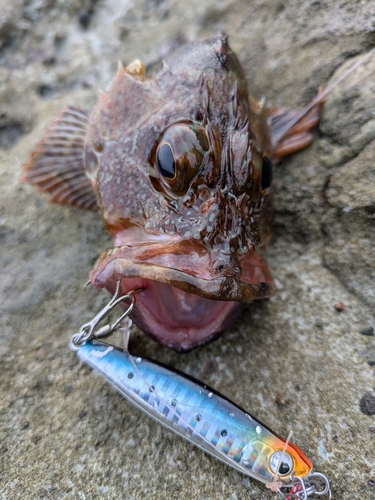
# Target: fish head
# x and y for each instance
(184, 187)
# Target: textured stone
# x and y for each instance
(64, 432)
(349, 224)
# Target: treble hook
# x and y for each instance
(314, 485)
(89, 330)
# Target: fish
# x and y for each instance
(180, 167)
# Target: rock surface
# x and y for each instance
(295, 361)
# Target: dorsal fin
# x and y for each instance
(57, 163)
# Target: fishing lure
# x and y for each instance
(196, 412)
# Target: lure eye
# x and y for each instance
(178, 157)
(286, 465)
(266, 173)
(165, 161)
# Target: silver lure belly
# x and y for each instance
(195, 412)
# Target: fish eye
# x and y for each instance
(266, 173)
(285, 466)
(177, 157)
(165, 161)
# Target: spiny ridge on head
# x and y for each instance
(221, 46)
(221, 42)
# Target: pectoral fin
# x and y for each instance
(57, 164)
(291, 130)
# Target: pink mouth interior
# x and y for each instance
(185, 299)
(176, 318)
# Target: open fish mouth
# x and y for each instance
(190, 294)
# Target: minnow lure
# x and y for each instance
(196, 412)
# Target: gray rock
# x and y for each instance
(349, 224)
(293, 361)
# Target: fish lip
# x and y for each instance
(233, 289)
(149, 263)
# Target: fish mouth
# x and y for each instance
(190, 294)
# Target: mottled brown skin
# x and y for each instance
(191, 242)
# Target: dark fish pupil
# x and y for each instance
(165, 161)
(284, 468)
(266, 173)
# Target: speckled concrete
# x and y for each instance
(294, 361)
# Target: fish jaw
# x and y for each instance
(190, 295)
